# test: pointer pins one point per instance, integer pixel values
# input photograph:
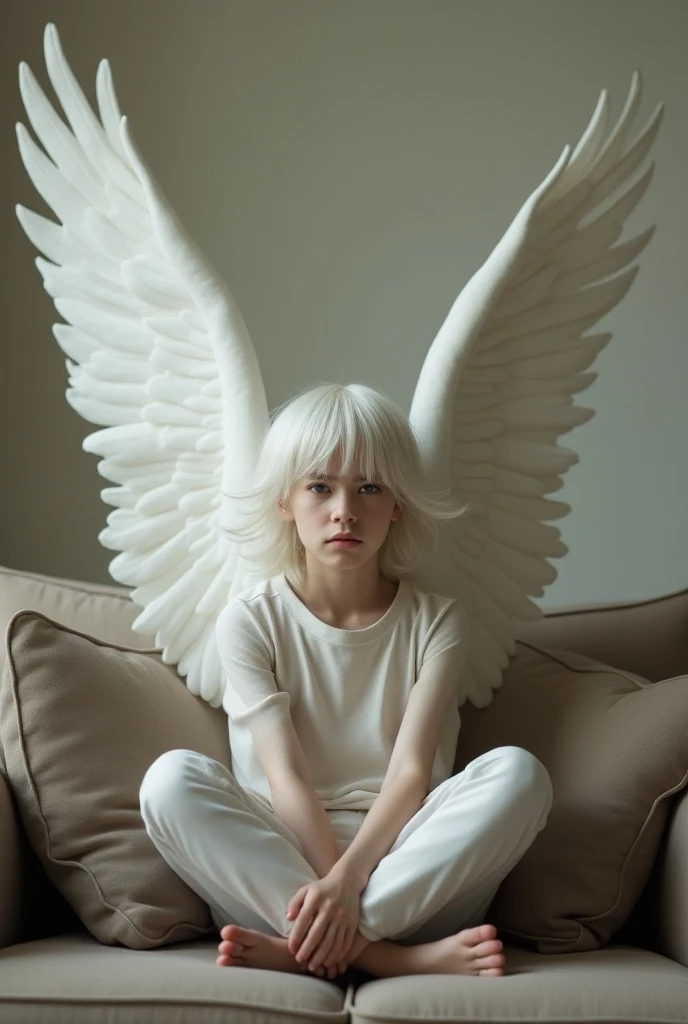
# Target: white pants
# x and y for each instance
(438, 877)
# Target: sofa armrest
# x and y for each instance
(10, 867)
(672, 886)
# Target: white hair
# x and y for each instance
(362, 431)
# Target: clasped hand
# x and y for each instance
(326, 913)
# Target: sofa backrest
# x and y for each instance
(648, 636)
(96, 608)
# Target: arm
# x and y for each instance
(399, 799)
(294, 800)
(408, 774)
(296, 804)
(253, 698)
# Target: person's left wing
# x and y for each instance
(494, 393)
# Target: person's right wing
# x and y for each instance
(158, 354)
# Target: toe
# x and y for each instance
(488, 948)
(487, 962)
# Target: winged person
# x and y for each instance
(338, 575)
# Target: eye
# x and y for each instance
(311, 486)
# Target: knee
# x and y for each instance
(527, 773)
(167, 779)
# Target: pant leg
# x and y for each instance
(448, 861)
(225, 844)
(235, 853)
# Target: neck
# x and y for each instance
(338, 593)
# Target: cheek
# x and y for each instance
(314, 514)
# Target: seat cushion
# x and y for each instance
(616, 749)
(74, 978)
(81, 720)
(613, 986)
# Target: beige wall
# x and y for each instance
(348, 166)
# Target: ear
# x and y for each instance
(285, 511)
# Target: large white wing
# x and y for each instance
(158, 354)
(494, 394)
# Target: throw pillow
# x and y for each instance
(81, 720)
(616, 748)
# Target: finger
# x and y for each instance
(347, 943)
(337, 948)
(295, 903)
(312, 940)
(322, 953)
(298, 933)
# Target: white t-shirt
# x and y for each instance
(346, 689)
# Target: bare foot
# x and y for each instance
(473, 951)
(245, 947)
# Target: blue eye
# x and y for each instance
(311, 486)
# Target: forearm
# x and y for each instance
(296, 805)
(398, 801)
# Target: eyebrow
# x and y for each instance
(321, 476)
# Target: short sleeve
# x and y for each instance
(251, 694)
(448, 631)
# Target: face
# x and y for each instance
(324, 506)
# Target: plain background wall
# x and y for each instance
(347, 167)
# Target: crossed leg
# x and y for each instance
(461, 843)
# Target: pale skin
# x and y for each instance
(344, 588)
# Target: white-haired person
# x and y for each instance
(341, 836)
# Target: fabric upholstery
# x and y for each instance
(649, 637)
(80, 722)
(95, 608)
(668, 896)
(664, 903)
(9, 865)
(616, 748)
(74, 979)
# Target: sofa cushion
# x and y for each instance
(616, 748)
(81, 720)
(73, 979)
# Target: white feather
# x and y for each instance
(158, 354)
(492, 399)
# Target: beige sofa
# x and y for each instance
(53, 970)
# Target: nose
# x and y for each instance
(343, 510)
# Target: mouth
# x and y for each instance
(345, 541)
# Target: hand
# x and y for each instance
(326, 912)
